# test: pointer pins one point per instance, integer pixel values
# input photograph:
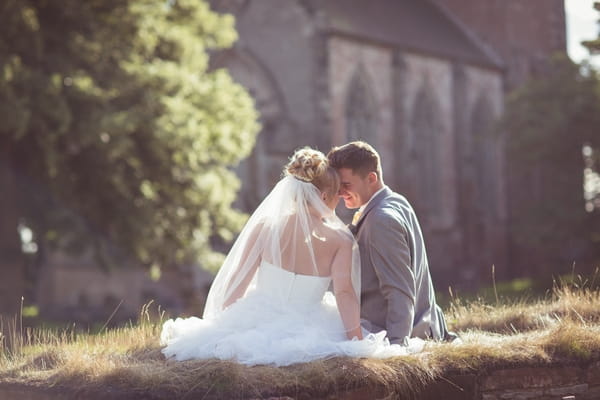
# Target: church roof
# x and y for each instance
(413, 25)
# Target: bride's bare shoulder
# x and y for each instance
(340, 239)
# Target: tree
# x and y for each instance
(592, 160)
(549, 121)
(593, 45)
(114, 133)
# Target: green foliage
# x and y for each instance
(555, 108)
(119, 133)
(549, 120)
(593, 45)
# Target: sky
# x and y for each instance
(582, 24)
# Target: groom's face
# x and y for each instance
(354, 189)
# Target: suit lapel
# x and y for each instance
(372, 204)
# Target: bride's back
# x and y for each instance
(308, 247)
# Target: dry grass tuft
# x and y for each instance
(566, 303)
(563, 329)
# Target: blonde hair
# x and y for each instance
(310, 165)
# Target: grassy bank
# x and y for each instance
(562, 329)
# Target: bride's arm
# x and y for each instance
(345, 295)
(249, 255)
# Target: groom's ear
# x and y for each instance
(372, 177)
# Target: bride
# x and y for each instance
(289, 289)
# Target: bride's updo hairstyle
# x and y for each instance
(310, 165)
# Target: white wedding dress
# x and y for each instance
(285, 318)
(270, 302)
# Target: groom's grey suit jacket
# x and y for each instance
(396, 290)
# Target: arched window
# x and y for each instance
(485, 159)
(361, 113)
(426, 153)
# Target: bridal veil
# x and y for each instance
(292, 229)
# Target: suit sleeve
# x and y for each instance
(391, 259)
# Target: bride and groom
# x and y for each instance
(299, 285)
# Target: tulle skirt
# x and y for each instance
(260, 330)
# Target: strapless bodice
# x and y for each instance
(287, 287)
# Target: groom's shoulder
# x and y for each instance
(392, 208)
(395, 200)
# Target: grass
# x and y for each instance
(562, 329)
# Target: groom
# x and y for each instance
(396, 290)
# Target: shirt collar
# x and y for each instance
(362, 208)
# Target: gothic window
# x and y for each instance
(485, 160)
(426, 153)
(361, 113)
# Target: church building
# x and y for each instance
(423, 81)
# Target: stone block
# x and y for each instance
(525, 378)
(568, 390)
(593, 374)
(521, 394)
(593, 393)
(489, 396)
(458, 387)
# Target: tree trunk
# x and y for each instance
(12, 276)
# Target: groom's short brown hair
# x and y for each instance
(358, 156)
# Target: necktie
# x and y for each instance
(356, 217)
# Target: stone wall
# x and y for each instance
(347, 59)
(76, 289)
(543, 383)
(275, 60)
(523, 33)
